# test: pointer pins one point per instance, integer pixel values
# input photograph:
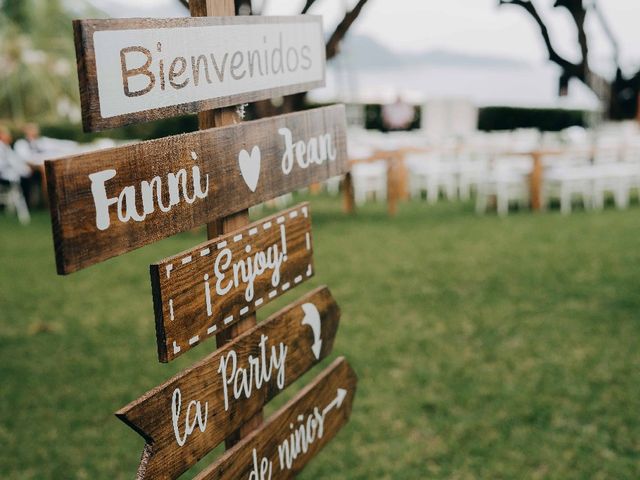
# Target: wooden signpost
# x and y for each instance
(200, 292)
(143, 69)
(109, 202)
(189, 415)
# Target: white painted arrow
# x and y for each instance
(312, 318)
(336, 402)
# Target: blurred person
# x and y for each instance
(13, 168)
(398, 115)
(31, 149)
(30, 146)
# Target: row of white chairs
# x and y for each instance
(505, 179)
(591, 184)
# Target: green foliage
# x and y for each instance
(486, 348)
(37, 60)
(17, 11)
(544, 119)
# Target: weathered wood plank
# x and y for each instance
(189, 415)
(286, 442)
(109, 202)
(142, 69)
(204, 290)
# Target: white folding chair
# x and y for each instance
(13, 200)
(568, 183)
(428, 172)
(369, 179)
(508, 184)
(612, 178)
(470, 171)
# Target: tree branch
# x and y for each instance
(341, 30)
(570, 67)
(578, 14)
(308, 4)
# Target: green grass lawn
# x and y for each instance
(485, 348)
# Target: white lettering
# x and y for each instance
(243, 380)
(199, 419)
(100, 199)
(150, 193)
(245, 271)
(316, 150)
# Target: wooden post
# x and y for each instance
(219, 118)
(403, 175)
(536, 181)
(315, 188)
(392, 185)
(348, 203)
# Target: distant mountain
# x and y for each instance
(125, 8)
(364, 52)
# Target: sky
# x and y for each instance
(469, 26)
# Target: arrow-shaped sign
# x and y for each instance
(188, 416)
(285, 443)
(312, 318)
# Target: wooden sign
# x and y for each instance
(109, 202)
(202, 291)
(188, 416)
(284, 444)
(133, 70)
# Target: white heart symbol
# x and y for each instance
(250, 167)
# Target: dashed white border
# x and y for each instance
(258, 302)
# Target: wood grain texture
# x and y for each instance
(215, 155)
(218, 118)
(348, 199)
(319, 399)
(202, 291)
(152, 415)
(103, 72)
